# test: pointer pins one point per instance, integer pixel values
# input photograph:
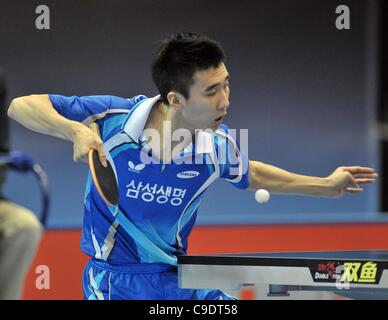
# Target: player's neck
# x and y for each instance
(165, 120)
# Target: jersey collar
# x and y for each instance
(135, 124)
(138, 118)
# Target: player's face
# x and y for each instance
(208, 99)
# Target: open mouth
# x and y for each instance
(218, 119)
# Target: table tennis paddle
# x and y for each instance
(103, 177)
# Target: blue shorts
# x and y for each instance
(102, 281)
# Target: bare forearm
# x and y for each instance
(279, 181)
(36, 112)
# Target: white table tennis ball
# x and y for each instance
(262, 196)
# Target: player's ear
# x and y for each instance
(175, 100)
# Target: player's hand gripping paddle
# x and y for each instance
(103, 177)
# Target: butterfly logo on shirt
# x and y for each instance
(135, 168)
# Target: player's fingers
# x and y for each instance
(365, 175)
(77, 157)
(363, 181)
(351, 182)
(358, 169)
(354, 190)
(101, 155)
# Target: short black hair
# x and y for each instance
(179, 57)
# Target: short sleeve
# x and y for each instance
(232, 159)
(83, 108)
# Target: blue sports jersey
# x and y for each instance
(158, 203)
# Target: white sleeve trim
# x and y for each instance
(240, 162)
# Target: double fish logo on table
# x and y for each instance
(360, 272)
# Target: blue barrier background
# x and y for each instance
(303, 89)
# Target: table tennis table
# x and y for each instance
(361, 274)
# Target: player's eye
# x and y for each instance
(212, 93)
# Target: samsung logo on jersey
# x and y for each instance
(188, 174)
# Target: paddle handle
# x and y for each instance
(94, 127)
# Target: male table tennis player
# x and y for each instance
(133, 246)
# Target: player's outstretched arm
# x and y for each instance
(36, 112)
(279, 181)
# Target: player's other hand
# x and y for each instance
(349, 180)
(83, 141)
